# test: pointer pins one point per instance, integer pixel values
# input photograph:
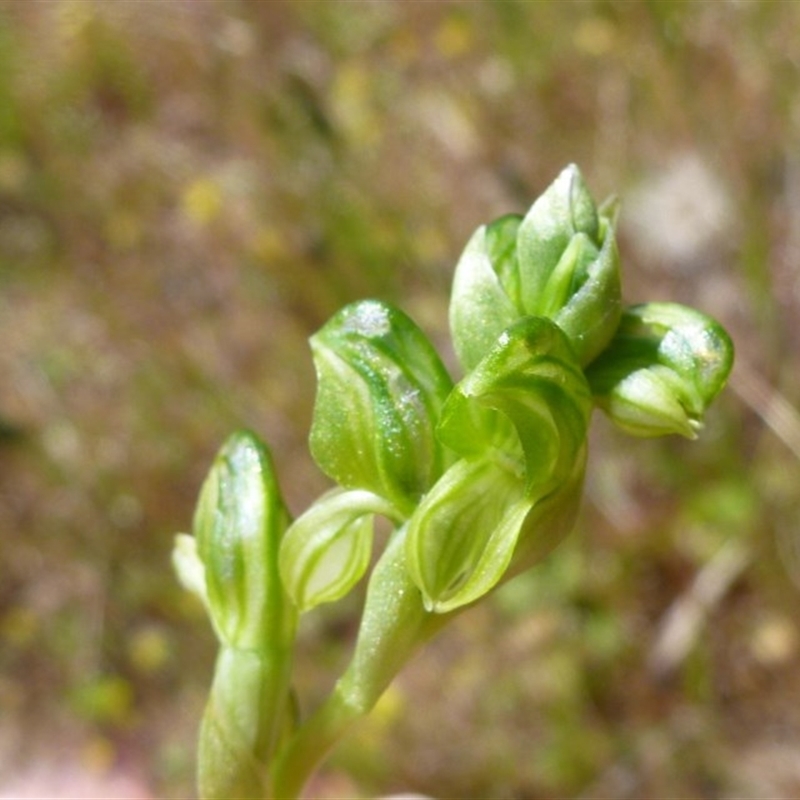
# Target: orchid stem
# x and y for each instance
(394, 625)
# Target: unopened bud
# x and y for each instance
(661, 371)
(560, 261)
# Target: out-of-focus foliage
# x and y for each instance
(188, 190)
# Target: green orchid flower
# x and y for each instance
(662, 370)
(381, 386)
(327, 549)
(560, 261)
(463, 536)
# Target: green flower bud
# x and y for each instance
(381, 386)
(661, 371)
(463, 537)
(233, 566)
(327, 549)
(560, 261)
(238, 524)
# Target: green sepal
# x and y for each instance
(480, 305)
(381, 386)
(661, 371)
(326, 551)
(239, 521)
(531, 377)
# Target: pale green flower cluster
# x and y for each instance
(479, 478)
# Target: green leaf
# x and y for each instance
(238, 524)
(327, 549)
(381, 387)
(663, 368)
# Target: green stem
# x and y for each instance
(394, 625)
(245, 713)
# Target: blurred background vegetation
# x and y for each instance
(189, 189)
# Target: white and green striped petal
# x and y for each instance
(381, 387)
(327, 549)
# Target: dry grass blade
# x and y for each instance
(684, 620)
(777, 413)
